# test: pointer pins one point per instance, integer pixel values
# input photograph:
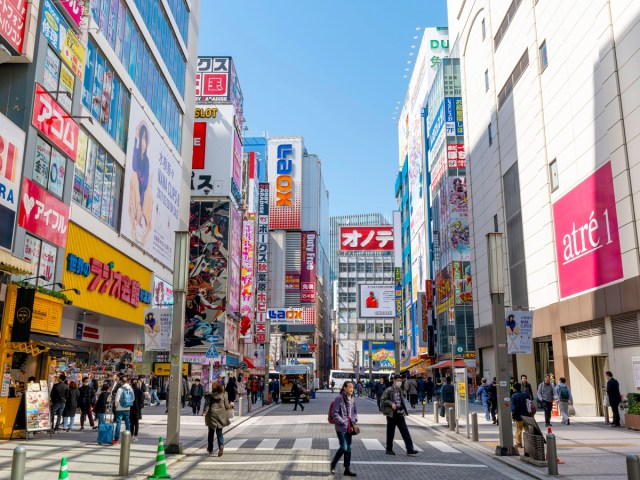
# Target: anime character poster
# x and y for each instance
(205, 312)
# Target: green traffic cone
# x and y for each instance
(64, 473)
(160, 470)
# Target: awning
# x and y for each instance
(249, 362)
(15, 265)
(60, 347)
(459, 363)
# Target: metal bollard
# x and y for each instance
(17, 465)
(125, 450)
(240, 407)
(436, 413)
(633, 467)
(424, 407)
(474, 427)
(552, 454)
(249, 402)
(452, 419)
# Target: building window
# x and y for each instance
(49, 167)
(484, 29)
(58, 78)
(511, 82)
(506, 21)
(343, 268)
(490, 134)
(544, 60)
(486, 80)
(553, 175)
(351, 297)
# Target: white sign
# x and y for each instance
(157, 329)
(519, 325)
(377, 301)
(11, 153)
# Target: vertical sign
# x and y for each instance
(262, 262)
(23, 314)
(308, 268)
(13, 22)
(247, 274)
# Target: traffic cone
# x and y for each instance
(64, 473)
(160, 470)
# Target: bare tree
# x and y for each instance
(353, 354)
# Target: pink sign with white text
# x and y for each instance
(587, 236)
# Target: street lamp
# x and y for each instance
(496, 289)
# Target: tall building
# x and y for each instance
(103, 96)
(549, 103)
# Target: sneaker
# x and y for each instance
(390, 452)
(412, 452)
(332, 468)
(135, 438)
(115, 442)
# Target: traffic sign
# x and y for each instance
(212, 338)
(459, 349)
(212, 352)
(304, 347)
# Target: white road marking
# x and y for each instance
(234, 444)
(400, 443)
(303, 443)
(372, 444)
(334, 444)
(326, 462)
(443, 447)
(268, 444)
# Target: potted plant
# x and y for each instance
(632, 417)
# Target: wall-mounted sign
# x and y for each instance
(11, 153)
(368, 239)
(52, 120)
(376, 301)
(308, 268)
(13, 22)
(62, 38)
(212, 80)
(43, 214)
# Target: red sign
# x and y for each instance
(75, 9)
(456, 157)
(308, 268)
(429, 294)
(50, 118)
(211, 84)
(366, 239)
(587, 236)
(13, 17)
(199, 145)
(43, 214)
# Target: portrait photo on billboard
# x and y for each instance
(376, 301)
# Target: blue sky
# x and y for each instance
(330, 71)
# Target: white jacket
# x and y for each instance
(119, 407)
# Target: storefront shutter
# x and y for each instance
(625, 330)
(592, 328)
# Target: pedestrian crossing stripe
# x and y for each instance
(371, 444)
(268, 444)
(303, 443)
(400, 443)
(443, 447)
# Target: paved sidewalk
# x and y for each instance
(589, 448)
(87, 460)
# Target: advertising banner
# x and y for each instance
(247, 275)
(74, 9)
(302, 316)
(383, 354)
(199, 145)
(43, 214)
(444, 293)
(262, 256)
(162, 292)
(436, 127)
(461, 274)
(23, 314)
(519, 326)
(13, 22)
(208, 274)
(157, 329)
(423, 326)
(212, 80)
(235, 258)
(308, 268)
(587, 236)
(38, 409)
(151, 197)
(235, 95)
(292, 282)
(285, 179)
(456, 157)
(51, 119)
(376, 301)
(118, 356)
(237, 165)
(11, 154)
(230, 335)
(63, 40)
(366, 239)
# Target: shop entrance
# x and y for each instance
(544, 358)
(599, 365)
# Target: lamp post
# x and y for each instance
(496, 289)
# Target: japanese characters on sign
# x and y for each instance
(51, 119)
(262, 262)
(247, 274)
(456, 157)
(11, 153)
(62, 38)
(43, 214)
(212, 80)
(74, 8)
(519, 325)
(376, 301)
(13, 17)
(235, 259)
(308, 268)
(372, 239)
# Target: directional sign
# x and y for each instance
(212, 338)
(212, 352)
(459, 349)
(304, 347)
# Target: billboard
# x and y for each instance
(383, 354)
(262, 262)
(366, 239)
(292, 282)
(247, 274)
(235, 258)
(519, 325)
(151, 197)
(13, 22)
(157, 329)
(208, 274)
(291, 316)
(43, 214)
(63, 40)
(212, 80)
(51, 119)
(376, 301)
(587, 236)
(308, 267)
(11, 154)
(285, 180)
(454, 220)
(162, 292)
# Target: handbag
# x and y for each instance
(572, 411)
(230, 412)
(531, 407)
(353, 429)
(442, 410)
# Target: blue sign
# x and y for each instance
(212, 352)
(383, 354)
(213, 338)
(304, 347)
(436, 126)
(232, 361)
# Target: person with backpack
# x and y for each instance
(197, 392)
(296, 392)
(85, 402)
(124, 400)
(564, 400)
(344, 415)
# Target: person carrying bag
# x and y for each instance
(216, 415)
(345, 418)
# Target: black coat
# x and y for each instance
(87, 397)
(519, 406)
(101, 403)
(231, 390)
(59, 393)
(72, 403)
(429, 387)
(528, 389)
(613, 391)
(135, 411)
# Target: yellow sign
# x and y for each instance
(110, 294)
(163, 369)
(47, 311)
(73, 53)
(462, 392)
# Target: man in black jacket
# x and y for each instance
(613, 392)
(59, 396)
(429, 388)
(380, 388)
(525, 386)
(518, 410)
(296, 391)
(448, 394)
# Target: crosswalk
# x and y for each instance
(331, 443)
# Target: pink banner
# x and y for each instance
(75, 9)
(308, 267)
(43, 214)
(587, 237)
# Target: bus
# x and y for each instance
(290, 373)
(340, 377)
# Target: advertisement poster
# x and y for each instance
(75, 9)
(587, 237)
(308, 268)
(237, 162)
(230, 335)
(57, 170)
(208, 274)
(519, 326)
(366, 239)
(443, 290)
(292, 282)
(47, 268)
(13, 22)
(11, 153)
(151, 195)
(285, 182)
(376, 301)
(62, 38)
(382, 353)
(162, 292)
(235, 258)
(54, 122)
(462, 282)
(117, 356)
(37, 406)
(157, 329)
(43, 214)
(247, 274)
(233, 294)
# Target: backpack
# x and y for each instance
(563, 393)
(330, 418)
(126, 397)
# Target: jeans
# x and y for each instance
(100, 417)
(297, 400)
(218, 433)
(547, 406)
(494, 410)
(519, 429)
(121, 415)
(616, 412)
(254, 397)
(345, 449)
(487, 409)
(57, 409)
(398, 420)
(563, 407)
(84, 414)
(68, 422)
(195, 404)
(154, 397)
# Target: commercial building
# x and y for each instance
(551, 135)
(103, 95)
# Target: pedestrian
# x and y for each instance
(394, 407)
(422, 388)
(546, 395)
(380, 388)
(563, 393)
(216, 415)
(122, 403)
(429, 388)
(296, 392)
(85, 402)
(197, 392)
(101, 404)
(255, 387)
(71, 406)
(493, 400)
(360, 388)
(448, 394)
(412, 391)
(117, 383)
(333, 385)
(58, 398)
(185, 392)
(511, 382)
(231, 389)
(275, 393)
(155, 382)
(613, 392)
(518, 410)
(166, 402)
(483, 395)
(135, 411)
(345, 416)
(525, 386)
